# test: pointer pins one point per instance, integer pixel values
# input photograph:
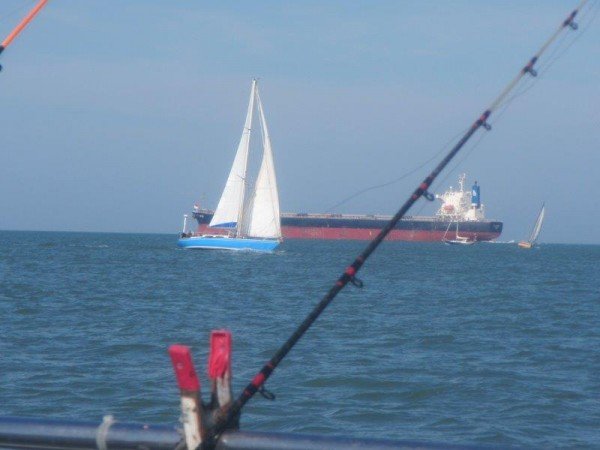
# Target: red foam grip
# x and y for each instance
(187, 379)
(219, 360)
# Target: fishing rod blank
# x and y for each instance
(349, 275)
(17, 30)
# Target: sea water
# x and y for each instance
(483, 344)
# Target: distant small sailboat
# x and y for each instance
(253, 224)
(458, 239)
(536, 230)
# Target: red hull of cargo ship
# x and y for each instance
(366, 227)
(369, 233)
(364, 234)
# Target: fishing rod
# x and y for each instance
(230, 415)
(17, 30)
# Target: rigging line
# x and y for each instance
(528, 69)
(497, 118)
(552, 58)
(523, 90)
(584, 29)
(476, 144)
(558, 52)
(400, 178)
(420, 208)
(453, 170)
(468, 152)
(348, 276)
(463, 159)
(446, 232)
(531, 82)
(502, 108)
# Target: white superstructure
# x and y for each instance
(459, 205)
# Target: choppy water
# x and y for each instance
(482, 344)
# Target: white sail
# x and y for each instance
(261, 219)
(230, 208)
(538, 225)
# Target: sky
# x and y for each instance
(120, 116)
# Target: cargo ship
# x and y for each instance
(461, 214)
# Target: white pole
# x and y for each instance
(185, 216)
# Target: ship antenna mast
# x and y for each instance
(349, 274)
(17, 30)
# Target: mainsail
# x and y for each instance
(230, 209)
(538, 225)
(262, 217)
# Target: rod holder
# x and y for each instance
(199, 417)
(191, 403)
(219, 367)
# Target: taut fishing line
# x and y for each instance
(557, 53)
(554, 56)
(401, 177)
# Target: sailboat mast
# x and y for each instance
(17, 30)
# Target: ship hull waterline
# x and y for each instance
(340, 228)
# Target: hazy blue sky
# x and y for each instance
(120, 115)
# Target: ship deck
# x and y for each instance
(373, 217)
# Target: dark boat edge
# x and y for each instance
(44, 434)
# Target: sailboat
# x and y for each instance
(458, 240)
(536, 230)
(252, 221)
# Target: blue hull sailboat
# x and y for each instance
(251, 223)
(217, 242)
